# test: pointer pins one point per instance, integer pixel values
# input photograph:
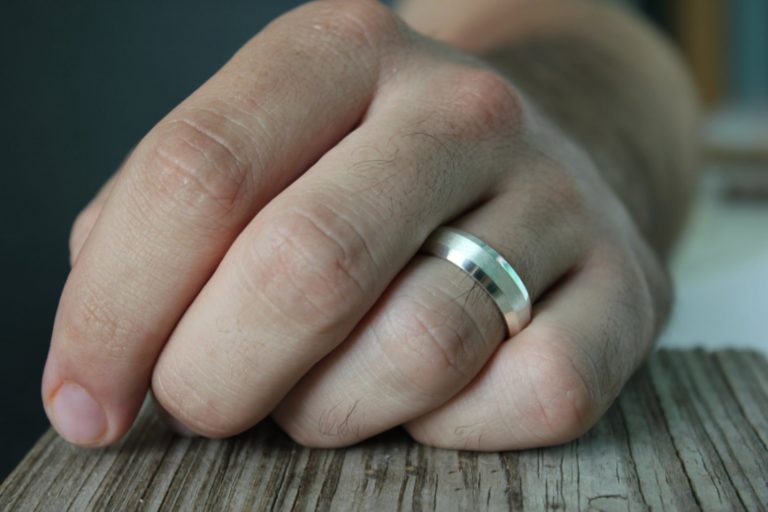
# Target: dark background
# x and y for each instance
(81, 82)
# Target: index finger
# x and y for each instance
(187, 190)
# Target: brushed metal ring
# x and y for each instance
(488, 268)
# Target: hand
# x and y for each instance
(257, 254)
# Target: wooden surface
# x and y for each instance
(689, 432)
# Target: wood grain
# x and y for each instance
(689, 432)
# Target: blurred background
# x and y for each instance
(721, 266)
(83, 81)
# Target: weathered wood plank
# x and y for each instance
(689, 432)
(661, 475)
(748, 381)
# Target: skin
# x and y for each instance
(257, 253)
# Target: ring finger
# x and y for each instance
(433, 330)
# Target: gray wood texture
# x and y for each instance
(689, 432)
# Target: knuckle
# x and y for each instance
(313, 265)
(199, 166)
(486, 100)
(563, 402)
(361, 23)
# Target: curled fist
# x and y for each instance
(258, 254)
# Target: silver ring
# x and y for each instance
(488, 268)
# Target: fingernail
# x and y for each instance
(78, 418)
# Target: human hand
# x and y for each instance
(257, 255)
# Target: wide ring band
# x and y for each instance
(488, 268)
